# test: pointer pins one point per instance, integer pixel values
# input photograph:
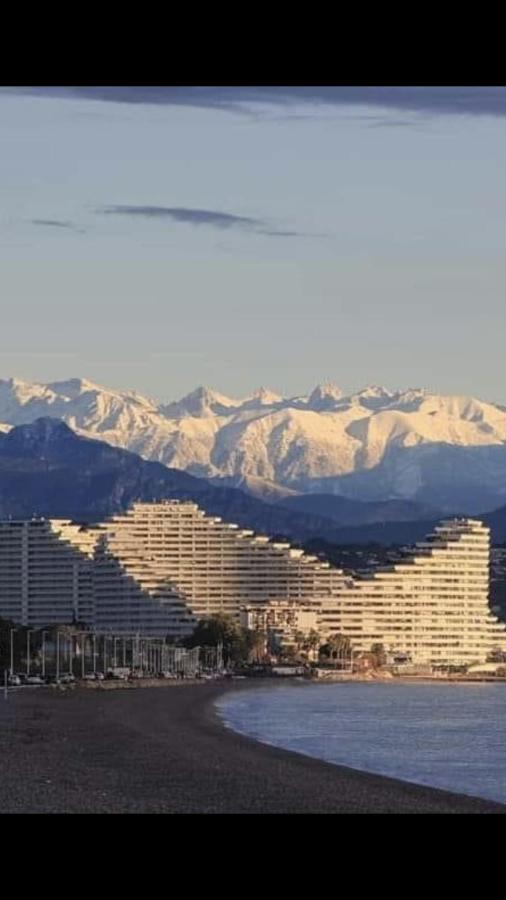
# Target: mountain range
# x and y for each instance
(447, 453)
(48, 470)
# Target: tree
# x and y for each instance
(305, 643)
(256, 641)
(313, 641)
(19, 644)
(379, 655)
(338, 647)
(289, 653)
(222, 629)
(300, 645)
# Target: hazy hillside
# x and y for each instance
(350, 513)
(390, 533)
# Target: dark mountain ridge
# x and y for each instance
(48, 470)
(350, 513)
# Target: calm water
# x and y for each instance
(450, 736)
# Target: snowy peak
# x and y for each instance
(17, 390)
(373, 397)
(86, 407)
(375, 444)
(73, 387)
(200, 403)
(375, 392)
(324, 397)
(261, 398)
(22, 401)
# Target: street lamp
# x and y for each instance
(57, 655)
(28, 633)
(82, 648)
(44, 654)
(12, 650)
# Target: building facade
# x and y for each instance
(432, 605)
(159, 567)
(46, 572)
(170, 563)
(283, 623)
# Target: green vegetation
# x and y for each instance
(306, 645)
(19, 644)
(337, 649)
(239, 644)
(379, 655)
(20, 636)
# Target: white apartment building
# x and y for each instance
(432, 605)
(167, 564)
(46, 569)
(159, 567)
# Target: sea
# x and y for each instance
(444, 735)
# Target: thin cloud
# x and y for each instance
(57, 223)
(392, 123)
(452, 100)
(287, 233)
(31, 354)
(199, 218)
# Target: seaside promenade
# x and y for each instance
(166, 751)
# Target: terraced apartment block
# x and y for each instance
(159, 567)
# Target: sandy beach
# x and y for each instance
(165, 750)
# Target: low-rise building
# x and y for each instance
(285, 624)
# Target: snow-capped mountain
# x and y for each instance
(324, 396)
(200, 403)
(375, 444)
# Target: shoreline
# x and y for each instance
(155, 751)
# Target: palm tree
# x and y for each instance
(378, 652)
(337, 647)
(257, 645)
(313, 641)
(300, 640)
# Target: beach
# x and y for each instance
(165, 750)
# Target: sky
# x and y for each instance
(164, 238)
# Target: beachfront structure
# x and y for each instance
(46, 572)
(289, 616)
(162, 566)
(432, 605)
(159, 567)
(283, 622)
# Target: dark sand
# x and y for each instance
(164, 750)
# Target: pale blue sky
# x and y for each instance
(362, 243)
